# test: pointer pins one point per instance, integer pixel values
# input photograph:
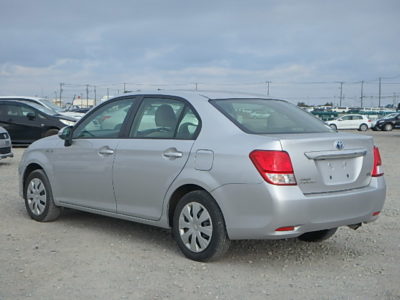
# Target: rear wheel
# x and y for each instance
(199, 227)
(388, 127)
(317, 236)
(39, 198)
(363, 127)
(333, 126)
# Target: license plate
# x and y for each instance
(338, 171)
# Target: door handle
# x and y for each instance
(172, 153)
(106, 151)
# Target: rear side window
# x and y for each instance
(261, 116)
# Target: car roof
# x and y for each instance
(199, 95)
(38, 99)
(20, 101)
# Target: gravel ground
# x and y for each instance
(84, 256)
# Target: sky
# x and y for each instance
(303, 49)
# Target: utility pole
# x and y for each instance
(394, 100)
(379, 99)
(362, 93)
(61, 90)
(95, 95)
(267, 82)
(124, 87)
(195, 88)
(108, 93)
(87, 95)
(341, 94)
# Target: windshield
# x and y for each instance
(261, 116)
(389, 116)
(43, 109)
(51, 105)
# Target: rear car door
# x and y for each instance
(146, 164)
(84, 169)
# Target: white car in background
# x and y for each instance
(5, 144)
(353, 121)
(46, 103)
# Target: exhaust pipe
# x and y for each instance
(355, 226)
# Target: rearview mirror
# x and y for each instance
(65, 134)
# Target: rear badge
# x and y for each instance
(339, 145)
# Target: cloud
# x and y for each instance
(213, 42)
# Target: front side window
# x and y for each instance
(27, 110)
(157, 118)
(261, 116)
(106, 122)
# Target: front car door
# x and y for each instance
(83, 170)
(21, 122)
(146, 164)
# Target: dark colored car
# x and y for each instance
(388, 123)
(27, 122)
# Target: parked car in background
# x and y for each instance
(5, 144)
(46, 103)
(27, 122)
(77, 109)
(213, 167)
(388, 122)
(354, 121)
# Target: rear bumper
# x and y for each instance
(255, 211)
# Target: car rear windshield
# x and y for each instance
(264, 116)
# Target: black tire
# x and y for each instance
(363, 127)
(38, 197)
(216, 244)
(50, 132)
(333, 126)
(317, 236)
(388, 127)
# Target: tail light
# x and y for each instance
(377, 169)
(274, 166)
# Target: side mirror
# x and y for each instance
(65, 134)
(31, 116)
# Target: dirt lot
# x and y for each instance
(84, 256)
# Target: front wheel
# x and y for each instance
(363, 127)
(317, 236)
(388, 127)
(333, 126)
(199, 227)
(50, 132)
(39, 198)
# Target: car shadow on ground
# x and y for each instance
(286, 251)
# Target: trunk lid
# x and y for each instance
(333, 162)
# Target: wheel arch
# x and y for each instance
(178, 194)
(28, 170)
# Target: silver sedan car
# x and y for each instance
(5, 144)
(211, 167)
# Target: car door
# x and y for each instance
(20, 121)
(345, 122)
(397, 121)
(156, 151)
(83, 170)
